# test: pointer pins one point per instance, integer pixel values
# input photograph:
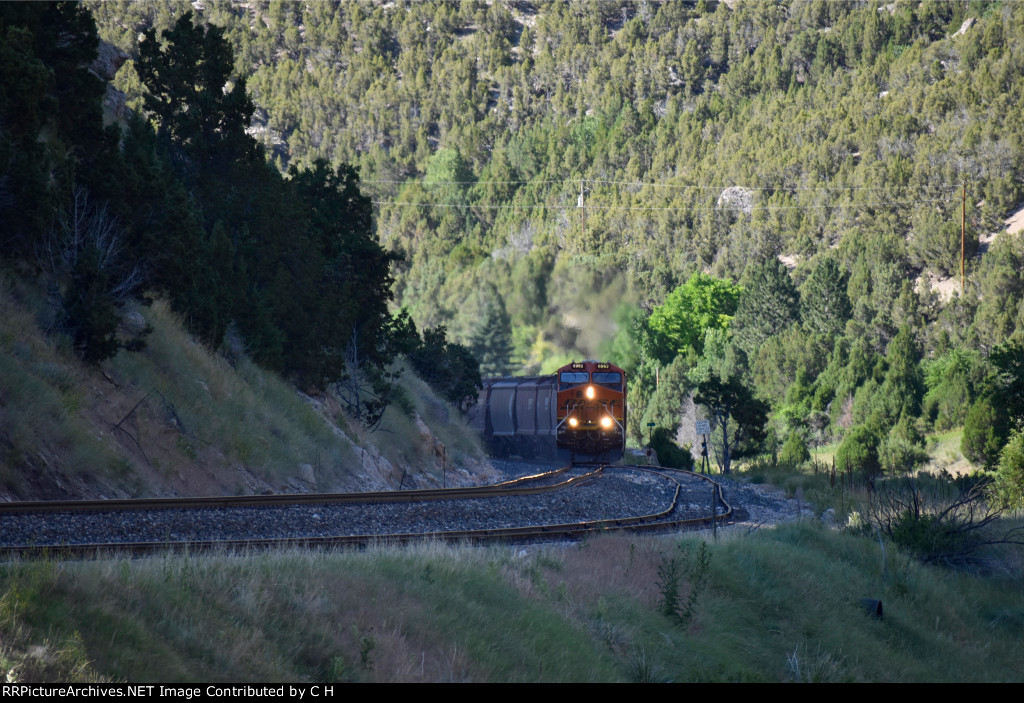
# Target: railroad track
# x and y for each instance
(597, 498)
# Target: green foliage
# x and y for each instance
(843, 136)
(825, 306)
(1001, 277)
(186, 75)
(681, 322)
(658, 400)
(669, 453)
(1008, 360)
(794, 451)
(1008, 486)
(859, 451)
(903, 385)
(490, 341)
(737, 417)
(986, 430)
(449, 368)
(768, 304)
(954, 381)
(902, 449)
(624, 348)
(670, 573)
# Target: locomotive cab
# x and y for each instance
(591, 409)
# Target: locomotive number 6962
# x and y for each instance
(591, 408)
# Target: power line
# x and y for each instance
(648, 208)
(651, 184)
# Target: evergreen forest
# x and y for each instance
(757, 205)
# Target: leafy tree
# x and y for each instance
(189, 91)
(681, 322)
(448, 367)
(736, 416)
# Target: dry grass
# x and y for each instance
(780, 605)
(178, 419)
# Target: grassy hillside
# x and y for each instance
(180, 419)
(778, 605)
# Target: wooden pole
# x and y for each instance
(963, 235)
(583, 211)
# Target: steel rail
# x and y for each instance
(132, 504)
(575, 530)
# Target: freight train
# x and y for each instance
(580, 411)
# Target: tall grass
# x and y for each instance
(178, 417)
(42, 436)
(249, 416)
(778, 605)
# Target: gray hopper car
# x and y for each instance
(516, 416)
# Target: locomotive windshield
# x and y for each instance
(572, 378)
(611, 379)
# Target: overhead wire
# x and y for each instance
(578, 182)
(643, 208)
(641, 184)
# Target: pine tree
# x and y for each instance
(491, 338)
(769, 304)
(825, 306)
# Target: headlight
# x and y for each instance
(590, 392)
(573, 422)
(606, 422)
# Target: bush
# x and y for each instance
(794, 452)
(859, 450)
(937, 530)
(669, 453)
(1008, 487)
(985, 433)
(903, 448)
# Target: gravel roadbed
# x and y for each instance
(616, 494)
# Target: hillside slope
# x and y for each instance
(180, 419)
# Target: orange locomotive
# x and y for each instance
(591, 409)
(580, 410)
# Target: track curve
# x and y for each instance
(564, 503)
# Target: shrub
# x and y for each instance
(942, 531)
(794, 452)
(669, 453)
(859, 450)
(1008, 487)
(903, 448)
(985, 432)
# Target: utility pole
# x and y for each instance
(583, 211)
(963, 235)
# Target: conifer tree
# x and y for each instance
(770, 302)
